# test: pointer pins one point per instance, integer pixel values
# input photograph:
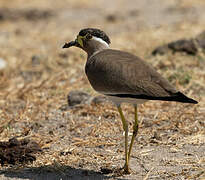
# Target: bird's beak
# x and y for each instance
(78, 42)
(70, 44)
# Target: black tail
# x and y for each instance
(178, 97)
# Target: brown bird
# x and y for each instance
(123, 77)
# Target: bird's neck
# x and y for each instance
(96, 45)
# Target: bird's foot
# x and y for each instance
(126, 169)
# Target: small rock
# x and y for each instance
(189, 46)
(99, 99)
(200, 39)
(78, 97)
(183, 45)
(3, 63)
(161, 50)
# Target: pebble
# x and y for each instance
(3, 64)
(78, 97)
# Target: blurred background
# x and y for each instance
(37, 75)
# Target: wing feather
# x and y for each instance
(117, 72)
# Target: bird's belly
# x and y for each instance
(119, 100)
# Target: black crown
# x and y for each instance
(95, 32)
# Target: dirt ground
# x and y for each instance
(86, 141)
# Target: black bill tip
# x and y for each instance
(67, 45)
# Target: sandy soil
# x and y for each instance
(86, 141)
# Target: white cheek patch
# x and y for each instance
(100, 40)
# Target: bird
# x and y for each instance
(123, 78)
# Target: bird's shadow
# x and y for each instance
(51, 172)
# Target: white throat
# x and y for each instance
(101, 41)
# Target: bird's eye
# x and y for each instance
(88, 36)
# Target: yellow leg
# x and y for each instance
(125, 127)
(135, 130)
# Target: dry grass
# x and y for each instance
(39, 75)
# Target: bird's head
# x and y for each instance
(90, 40)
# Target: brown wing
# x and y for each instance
(121, 72)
